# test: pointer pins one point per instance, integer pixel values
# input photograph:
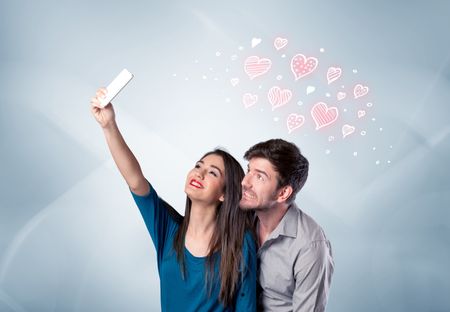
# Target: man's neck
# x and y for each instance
(268, 220)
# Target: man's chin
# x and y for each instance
(244, 205)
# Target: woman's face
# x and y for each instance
(206, 181)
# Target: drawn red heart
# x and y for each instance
(234, 81)
(347, 130)
(302, 65)
(255, 66)
(323, 115)
(294, 121)
(341, 95)
(249, 99)
(360, 90)
(280, 43)
(333, 74)
(278, 97)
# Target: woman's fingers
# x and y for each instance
(101, 93)
(95, 102)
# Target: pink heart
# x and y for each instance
(255, 66)
(323, 115)
(234, 81)
(249, 99)
(341, 95)
(278, 97)
(347, 130)
(361, 113)
(302, 65)
(280, 43)
(360, 90)
(294, 121)
(333, 74)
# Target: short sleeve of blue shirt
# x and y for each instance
(159, 222)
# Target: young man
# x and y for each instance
(295, 259)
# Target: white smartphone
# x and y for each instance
(116, 86)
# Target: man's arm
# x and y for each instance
(313, 270)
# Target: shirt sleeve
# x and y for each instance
(158, 218)
(313, 270)
(246, 292)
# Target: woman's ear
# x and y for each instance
(284, 193)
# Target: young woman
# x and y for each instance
(206, 259)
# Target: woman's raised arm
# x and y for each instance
(121, 153)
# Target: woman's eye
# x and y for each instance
(213, 173)
(260, 177)
(197, 166)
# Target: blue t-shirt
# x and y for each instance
(191, 293)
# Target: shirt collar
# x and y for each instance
(287, 225)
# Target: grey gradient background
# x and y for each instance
(71, 238)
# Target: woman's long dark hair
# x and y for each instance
(231, 224)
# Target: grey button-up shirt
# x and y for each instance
(295, 265)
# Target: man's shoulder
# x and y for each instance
(308, 230)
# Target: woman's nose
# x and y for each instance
(200, 173)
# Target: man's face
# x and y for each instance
(259, 186)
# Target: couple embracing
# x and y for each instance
(242, 244)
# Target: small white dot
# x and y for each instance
(388, 161)
(345, 110)
(373, 119)
(363, 133)
(330, 138)
(196, 61)
(327, 94)
(186, 78)
(381, 129)
(299, 103)
(218, 53)
(374, 148)
(174, 75)
(327, 152)
(322, 50)
(228, 100)
(390, 146)
(260, 87)
(241, 48)
(355, 71)
(377, 162)
(279, 77)
(275, 119)
(227, 70)
(283, 55)
(215, 78)
(369, 104)
(204, 77)
(355, 154)
(342, 86)
(210, 69)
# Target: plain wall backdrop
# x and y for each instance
(71, 238)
